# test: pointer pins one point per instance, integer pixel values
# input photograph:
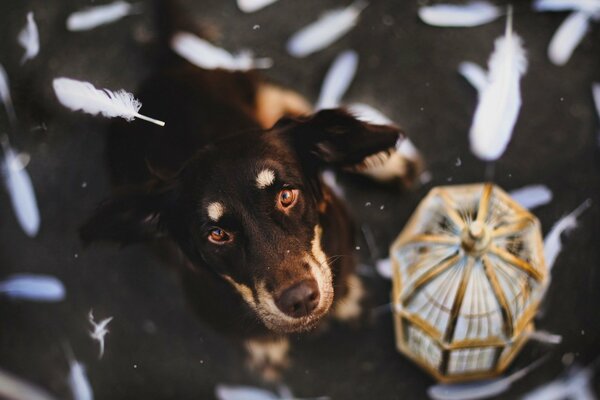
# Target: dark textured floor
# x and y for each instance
(156, 348)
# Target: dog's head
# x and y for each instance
(248, 207)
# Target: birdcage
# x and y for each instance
(469, 274)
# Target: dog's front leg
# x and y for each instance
(267, 357)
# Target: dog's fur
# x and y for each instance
(231, 144)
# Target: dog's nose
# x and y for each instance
(299, 300)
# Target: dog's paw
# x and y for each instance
(268, 358)
(349, 308)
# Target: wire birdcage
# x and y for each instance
(469, 274)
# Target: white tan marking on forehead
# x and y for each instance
(265, 178)
(215, 210)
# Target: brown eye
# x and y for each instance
(287, 198)
(218, 236)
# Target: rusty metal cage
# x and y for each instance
(469, 274)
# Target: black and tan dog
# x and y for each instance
(232, 183)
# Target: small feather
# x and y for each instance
(482, 389)
(552, 241)
(576, 385)
(29, 39)
(545, 337)
(14, 388)
(226, 392)
(474, 74)
(450, 15)
(6, 97)
(78, 95)
(596, 96)
(384, 268)
(208, 56)
(588, 6)
(21, 192)
(249, 6)
(331, 26)
(366, 113)
(99, 331)
(93, 17)
(532, 196)
(567, 37)
(78, 382)
(500, 101)
(330, 180)
(338, 79)
(33, 287)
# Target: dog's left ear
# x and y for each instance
(338, 139)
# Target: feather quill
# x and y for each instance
(21, 192)
(552, 241)
(33, 287)
(29, 38)
(78, 95)
(208, 56)
(567, 37)
(93, 17)
(467, 15)
(474, 74)
(99, 331)
(500, 101)
(15, 388)
(249, 6)
(331, 26)
(338, 80)
(6, 97)
(588, 6)
(480, 390)
(532, 196)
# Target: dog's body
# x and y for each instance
(262, 246)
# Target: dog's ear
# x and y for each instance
(335, 138)
(131, 215)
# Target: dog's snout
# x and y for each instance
(299, 300)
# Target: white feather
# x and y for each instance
(15, 388)
(20, 189)
(226, 392)
(6, 97)
(366, 113)
(451, 15)
(552, 241)
(330, 180)
(596, 96)
(93, 17)
(500, 101)
(29, 39)
(78, 382)
(99, 330)
(331, 26)
(33, 287)
(338, 79)
(589, 6)
(474, 74)
(479, 390)
(567, 37)
(208, 56)
(78, 95)
(577, 385)
(384, 268)
(249, 6)
(532, 196)
(545, 337)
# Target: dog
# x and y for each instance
(231, 187)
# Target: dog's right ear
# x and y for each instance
(132, 215)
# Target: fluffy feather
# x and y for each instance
(366, 113)
(29, 39)
(208, 56)
(567, 37)
(474, 74)
(93, 17)
(588, 6)
(249, 6)
(532, 196)
(33, 287)
(20, 189)
(545, 337)
(451, 15)
(552, 241)
(479, 390)
(327, 29)
(577, 384)
(338, 79)
(99, 331)
(14, 388)
(78, 382)
(500, 101)
(78, 95)
(6, 98)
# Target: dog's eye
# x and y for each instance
(219, 236)
(287, 198)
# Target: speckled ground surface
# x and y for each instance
(156, 349)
